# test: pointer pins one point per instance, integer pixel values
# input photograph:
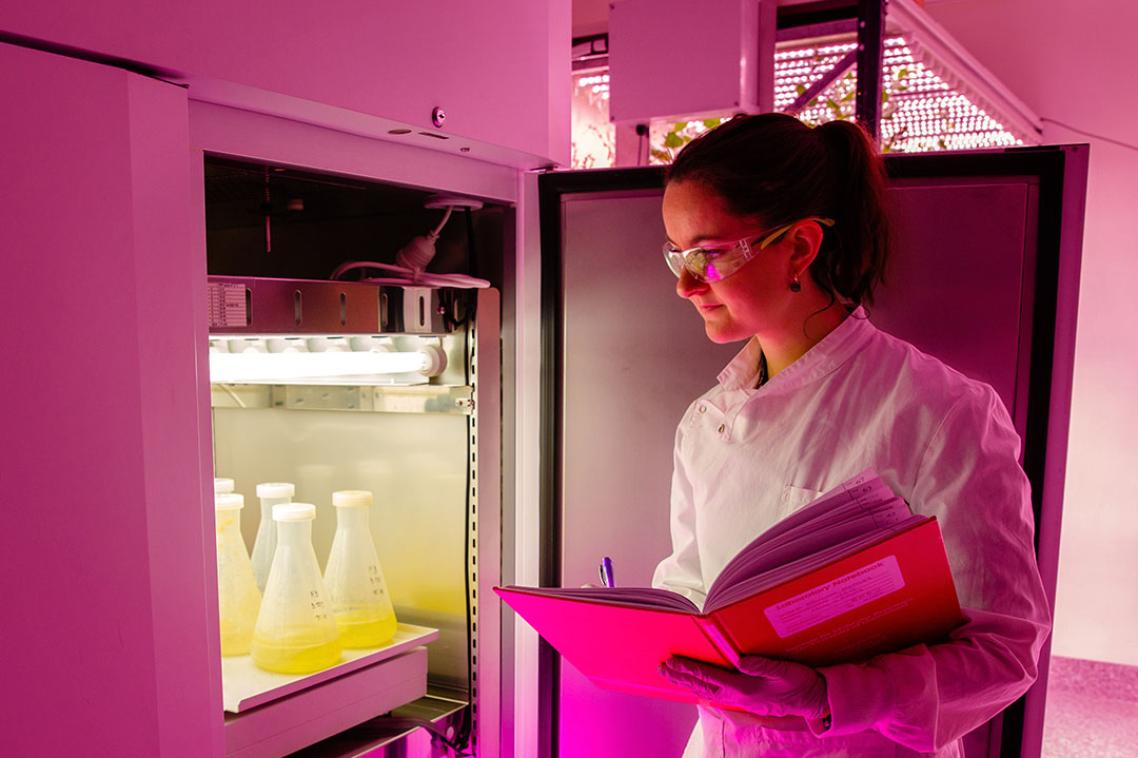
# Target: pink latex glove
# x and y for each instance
(762, 686)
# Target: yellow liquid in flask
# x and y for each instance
(365, 629)
(300, 654)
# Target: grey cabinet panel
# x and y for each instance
(635, 356)
(955, 287)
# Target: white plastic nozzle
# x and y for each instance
(351, 498)
(434, 360)
(245, 345)
(369, 344)
(228, 501)
(221, 485)
(287, 345)
(294, 512)
(276, 489)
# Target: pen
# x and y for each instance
(605, 570)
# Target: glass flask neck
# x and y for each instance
(294, 532)
(267, 504)
(227, 521)
(350, 517)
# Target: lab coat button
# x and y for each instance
(722, 428)
(703, 409)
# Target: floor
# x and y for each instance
(1092, 710)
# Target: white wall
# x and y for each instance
(1072, 61)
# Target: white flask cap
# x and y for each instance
(294, 512)
(276, 489)
(228, 501)
(222, 485)
(349, 498)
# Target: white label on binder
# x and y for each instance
(227, 305)
(835, 597)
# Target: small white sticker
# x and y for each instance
(227, 305)
(838, 596)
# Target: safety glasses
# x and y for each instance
(716, 264)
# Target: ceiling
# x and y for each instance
(592, 16)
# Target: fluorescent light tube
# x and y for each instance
(267, 368)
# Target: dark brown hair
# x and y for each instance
(776, 169)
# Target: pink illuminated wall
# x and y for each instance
(1072, 62)
(500, 70)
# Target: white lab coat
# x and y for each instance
(746, 457)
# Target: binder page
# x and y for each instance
(863, 488)
(799, 544)
(831, 519)
(720, 596)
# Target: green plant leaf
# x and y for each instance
(673, 140)
(711, 123)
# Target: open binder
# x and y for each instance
(851, 575)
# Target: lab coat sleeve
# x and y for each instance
(927, 696)
(680, 572)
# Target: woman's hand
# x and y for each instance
(762, 686)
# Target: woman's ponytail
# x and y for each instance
(862, 234)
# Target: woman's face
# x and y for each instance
(752, 300)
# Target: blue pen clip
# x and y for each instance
(605, 570)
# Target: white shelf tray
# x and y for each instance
(244, 686)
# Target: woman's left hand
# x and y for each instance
(763, 686)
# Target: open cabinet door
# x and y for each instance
(108, 636)
(985, 277)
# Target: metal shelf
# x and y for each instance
(424, 398)
(391, 735)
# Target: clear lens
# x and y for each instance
(702, 264)
(674, 259)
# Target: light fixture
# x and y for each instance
(299, 367)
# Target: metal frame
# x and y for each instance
(870, 50)
(551, 188)
(221, 130)
(1061, 172)
(423, 398)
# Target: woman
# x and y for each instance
(778, 234)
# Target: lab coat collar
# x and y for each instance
(830, 352)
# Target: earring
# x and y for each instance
(796, 286)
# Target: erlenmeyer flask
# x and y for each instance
(238, 598)
(265, 543)
(295, 633)
(354, 577)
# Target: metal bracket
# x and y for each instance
(815, 89)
